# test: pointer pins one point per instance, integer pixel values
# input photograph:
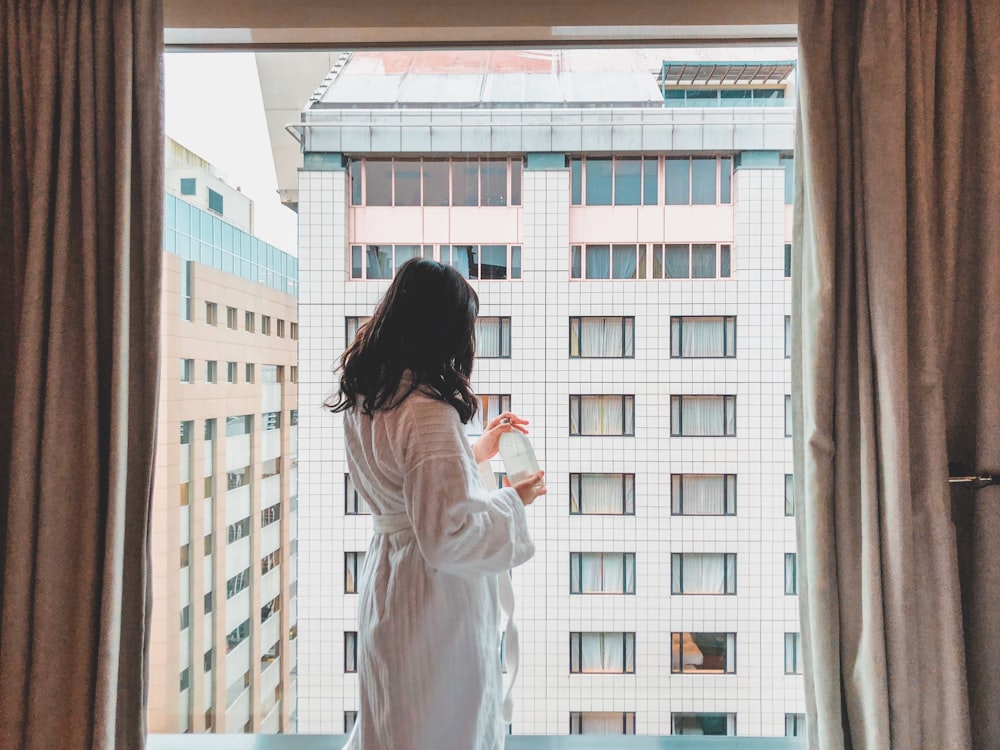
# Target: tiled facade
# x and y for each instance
(222, 655)
(752, 691)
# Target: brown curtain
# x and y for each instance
(897, 371)
(81, 161)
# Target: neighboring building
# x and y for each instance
(631, 258)
(222, 656)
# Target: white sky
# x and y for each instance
(214, 108)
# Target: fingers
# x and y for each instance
(531, 487)
(510, 421)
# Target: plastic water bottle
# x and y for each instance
(517, 455)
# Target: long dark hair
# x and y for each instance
(425, 323)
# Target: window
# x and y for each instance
(789, 495)
(788, 260)
(272, 374)
(791, 574)
(208, 540)
(492, 337)
(241, 425)
(491, 406)
(211, 371)
(620, 181)
(600, 337)
(703, 653)
(381, 261)
(500, 476)
(186, 617)
(231, 318)
(208, 660)
(236, 478)
(723, 725)
(602, 653)
(608, 262)
(788, 415)
(211, 313)
(280, 328)
(484, 262)
(353, 504)
(238, 583)
(702, 573)
(189, 186)
(350, 651)
(793, 653)
(235, 637)
(231, 372)
(703, 494)
(185, 679)
(214, 201)
(265, 325)
(187, 370)
(293, 373)
(352, 324)
(270, 468)
(350, 717)
(270, 420)
(187, 291)
(788, 163)
(795, 725)
(702, 416)
(601, 722)
(436, 182)
(788, 336)
(353, 564)
(293, 417)
(602, 415)
(702, 336)
(270, 562)
(270, 609)
(293, 331)
(698, 181)
(248, 322)
(696, 261)
(249, 373)
(602, 494)
(602, 572)
(238, 530)
(270, 515)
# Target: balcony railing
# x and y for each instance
(515, 742)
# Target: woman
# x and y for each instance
(428, 612)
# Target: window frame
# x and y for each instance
(626, 640)
(503, 321)
(729, 402)
(729, 502)
(627, 337)
(729, 584)
(628, 493)
(628, 414)
(677, 340)
(576, 560)
(678, 667)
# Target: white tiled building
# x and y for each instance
(606, 226)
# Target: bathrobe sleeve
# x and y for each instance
(461, 527)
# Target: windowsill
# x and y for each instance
(514, 742)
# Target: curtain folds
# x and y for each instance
(896, 370)
(81, 154)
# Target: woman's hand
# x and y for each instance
(489, 442)
(531, 487)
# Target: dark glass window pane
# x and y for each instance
(703, 261)
(650, 182)
(576, 181)
(788, 261)
(678, 181)
(575, 263)
(677, 262)
(623, 262)
(598, 182)
(725, 261)
(674, 97)
(466, 259)
(378, 183)
(493, 180)
(726, 180)
(515, 182)
(515, 262)
(788, 163)
(628, 182)
(355, 183)
(407, 185)
(356, 262)
(379, 261)
(769, 97)
(435, 183)
(598, 262)
(702, 98)
(465, 183)
(738, 98)
(493, 262)
(703, 182)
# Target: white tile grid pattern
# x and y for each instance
(540, 377)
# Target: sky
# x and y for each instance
(214, 108)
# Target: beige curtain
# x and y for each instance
(81, 161)
(897, 371)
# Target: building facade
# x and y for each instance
(630, 247)
(222, 656)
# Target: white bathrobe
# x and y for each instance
(428, 610)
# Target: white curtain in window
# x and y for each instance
(490, 406)
(624, 262)
(599, 573)
(698, 573)
(700, 337)
(598, 262)
(601, 722)
(488, 337)
(601, 337)
(702, 415)
(598, 493)
(601, 652)
(703, 494)
(599, 415)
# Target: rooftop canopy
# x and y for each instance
(700, 73)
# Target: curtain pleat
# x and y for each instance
(896, 371)
(81, 153)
